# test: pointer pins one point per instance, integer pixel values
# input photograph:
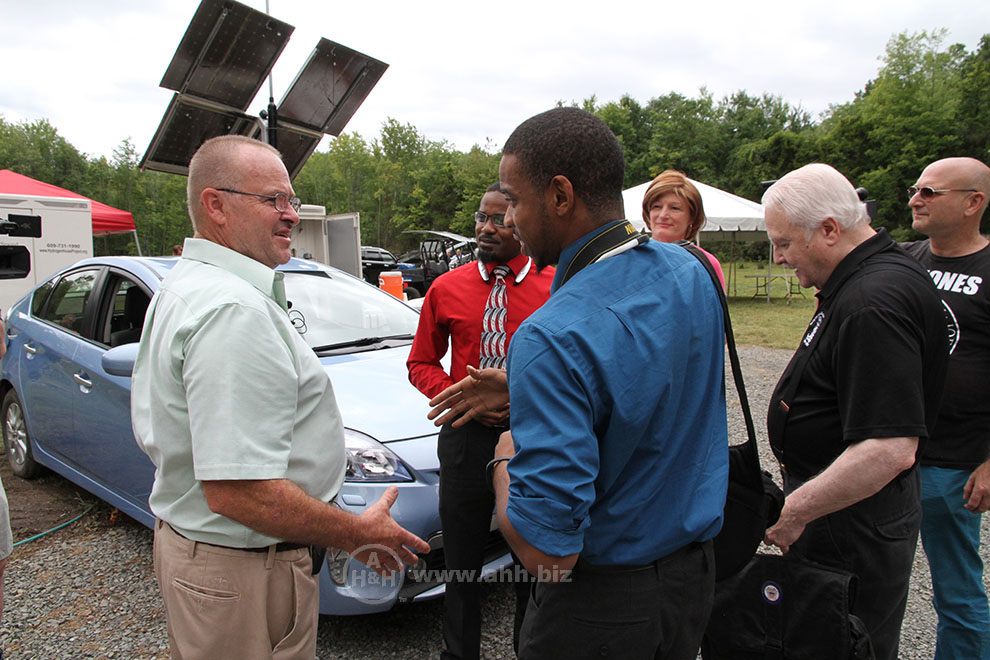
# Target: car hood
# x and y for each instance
(375, 397)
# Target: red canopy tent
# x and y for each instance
(106, 219)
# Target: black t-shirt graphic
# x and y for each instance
(961, 438)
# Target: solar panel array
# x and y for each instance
(218, 69)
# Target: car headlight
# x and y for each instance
(370, 460)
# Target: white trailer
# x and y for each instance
(334, 240)
(39, 236)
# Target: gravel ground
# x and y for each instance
(88, 590)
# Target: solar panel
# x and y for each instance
(226, 52)
(188, 123)
(330, 88)
(296, 145)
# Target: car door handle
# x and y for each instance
(82, 381)
(29, 349)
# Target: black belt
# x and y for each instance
(279, 547)
(583, 566)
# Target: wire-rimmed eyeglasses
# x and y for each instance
(281, 201)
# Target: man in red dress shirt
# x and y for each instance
(475, 308)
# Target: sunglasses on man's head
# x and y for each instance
(928, 192)
(498, 219)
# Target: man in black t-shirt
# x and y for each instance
(857, 398)
(947, 203)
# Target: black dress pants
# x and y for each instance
(876, 540)
(656, 613)
(466, 506)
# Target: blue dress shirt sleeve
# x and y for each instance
(552, 476)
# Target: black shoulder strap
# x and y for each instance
(749, 448)
(597, 247)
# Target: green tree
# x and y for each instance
(36, 149)
(744, 123)
(633, 125)
(768, 159)
(903, 119)
(974, 103)
(477, 169)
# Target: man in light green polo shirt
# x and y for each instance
(240, 420)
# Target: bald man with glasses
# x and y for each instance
(240, 419)
(474, 310)
(947, 203)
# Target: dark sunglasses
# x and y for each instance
(498, 219)
(927, 192)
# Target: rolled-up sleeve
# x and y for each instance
(552, 476)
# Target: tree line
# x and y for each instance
(929, 100)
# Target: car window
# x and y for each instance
(67, 302)
(40, 297)
(124, 318)
(377, 256)
(334, 310)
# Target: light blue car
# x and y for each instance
(65, 390)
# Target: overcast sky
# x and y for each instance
(466, 72)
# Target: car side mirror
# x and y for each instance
(120, 361)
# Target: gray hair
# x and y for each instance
(215, 165)
(814, 192)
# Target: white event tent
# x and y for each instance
(729, 217)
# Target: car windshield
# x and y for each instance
(341, 312)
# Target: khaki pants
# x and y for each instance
(225, 603)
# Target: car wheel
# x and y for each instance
(411, 293)
(16, 438)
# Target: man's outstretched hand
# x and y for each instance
(382, 538)
(483, 395)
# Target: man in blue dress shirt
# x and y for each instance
(612, 481)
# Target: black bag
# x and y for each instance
(786, 608)
(753, 500)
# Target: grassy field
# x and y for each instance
(776, 323)
(773, 324)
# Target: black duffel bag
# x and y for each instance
(786, 608)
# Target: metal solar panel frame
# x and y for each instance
(329, 88)
(226, 53)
